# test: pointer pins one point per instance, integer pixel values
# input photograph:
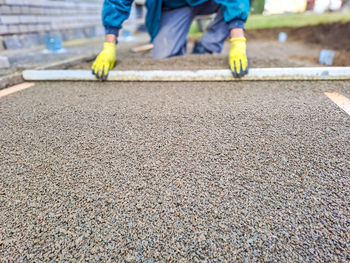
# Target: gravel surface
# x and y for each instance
(175, 172)
(261, 54)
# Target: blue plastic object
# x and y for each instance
(326, 57)
(53, 43)
(282, 37)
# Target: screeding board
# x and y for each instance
(306, 73)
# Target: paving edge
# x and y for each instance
(11, 80)
(16, 78)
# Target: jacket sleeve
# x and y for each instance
(114, 13)
(235, 12)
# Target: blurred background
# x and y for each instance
(26, 23)
(37, 32)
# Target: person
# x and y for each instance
(168, 23)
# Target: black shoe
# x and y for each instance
(198, 48)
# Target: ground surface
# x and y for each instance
(262, 53)
(21, 59)
(38, 56)
(311, 38)
(175, 172)
(301, 49)
(334, 36)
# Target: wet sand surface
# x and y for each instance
(175, 172)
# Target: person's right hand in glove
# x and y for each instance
(238, 60)
(105, 61)
(238, 57)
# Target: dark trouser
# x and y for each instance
(174, 26)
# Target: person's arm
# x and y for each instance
(236, 14)
(111, 38)
(114, 13)
(236, 32)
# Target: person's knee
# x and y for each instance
(171, 38)
(165, 47)
(162, 47)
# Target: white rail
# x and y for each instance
(313, 73)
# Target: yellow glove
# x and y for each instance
(238, 57)
(105, 61)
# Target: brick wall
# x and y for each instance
(25, 23)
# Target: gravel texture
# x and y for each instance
(261, 54)
(175, 172)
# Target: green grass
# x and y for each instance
(194, 29)
(294, 20)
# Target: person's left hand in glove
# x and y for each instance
(238, 60)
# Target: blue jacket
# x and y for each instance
(116, 11)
